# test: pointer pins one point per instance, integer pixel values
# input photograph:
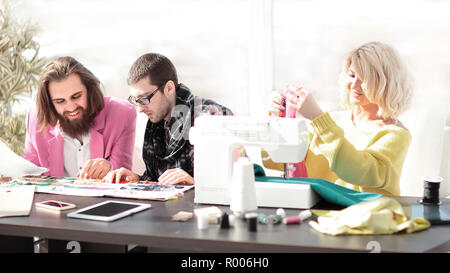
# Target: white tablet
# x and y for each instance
(109, 210)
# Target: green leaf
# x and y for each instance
(18, 75)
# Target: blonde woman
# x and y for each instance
(364, 147)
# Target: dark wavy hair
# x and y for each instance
(58, 70)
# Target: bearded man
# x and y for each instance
(74, 130)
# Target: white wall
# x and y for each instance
(206, 40)
(426, 154)
(445, 164)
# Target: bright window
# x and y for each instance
(206, 40)
(311, 39)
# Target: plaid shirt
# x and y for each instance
(166, 143)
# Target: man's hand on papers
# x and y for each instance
(4, 179)
(175, 176)
(120, 175)
(169, 177)
(95, 168)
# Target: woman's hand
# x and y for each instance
(303, 102)
(175, 176)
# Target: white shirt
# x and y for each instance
(75, 154)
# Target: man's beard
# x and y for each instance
(75, 127)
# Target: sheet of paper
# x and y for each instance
(148, 195)
(16, 201)
(12, 165)
(94, 187)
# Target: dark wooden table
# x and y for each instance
(154, 228)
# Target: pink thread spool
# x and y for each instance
(293, 169)
(291, 112)
(297, 219)
(291, 220)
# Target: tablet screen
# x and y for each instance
(110, 209)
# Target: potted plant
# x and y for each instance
(19, 71)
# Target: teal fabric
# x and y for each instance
(329, 191)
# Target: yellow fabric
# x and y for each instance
(341, 153)
(382, 216)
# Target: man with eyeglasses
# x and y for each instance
(171, 109)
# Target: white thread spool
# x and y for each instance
(243, 192)
(202, 220)
(281, 212)
(305, 215)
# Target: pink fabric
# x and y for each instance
(293, 169)
(112, 135)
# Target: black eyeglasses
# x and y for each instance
(144, 100)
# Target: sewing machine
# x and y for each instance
(218, 141)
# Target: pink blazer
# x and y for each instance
(112, 134)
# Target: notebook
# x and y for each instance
(16, 201)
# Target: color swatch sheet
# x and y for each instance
(95, 187)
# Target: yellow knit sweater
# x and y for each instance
(365, 161)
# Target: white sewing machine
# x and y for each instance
(217, 140)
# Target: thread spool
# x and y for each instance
(292, 169)
(305, 214)
(431, 190)
(232, 220)
(270, 219)
(275, 219)
(252, 219)
(291, 220)
(202, 220)
(243, 192)
(281, 212)
(225, 224)
(262, 218)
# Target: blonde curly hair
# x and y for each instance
(385, 81)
